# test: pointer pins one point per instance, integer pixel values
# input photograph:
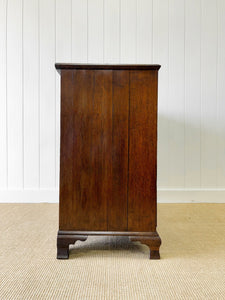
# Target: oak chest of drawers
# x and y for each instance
(108, 154)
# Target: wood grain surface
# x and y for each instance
(142, 151)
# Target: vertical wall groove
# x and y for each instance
(6, 100)
(56, 158)
(152, 31)
(103, 26)
(87, 30)
(185, 121)
(22, 95)
(39, 103)
(200, 92)
(71, 37)
(217, 117)
(169, 91)
(120, 31)
(136, 31)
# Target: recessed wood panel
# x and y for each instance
(142, 151)
(117, 206)
(66, 151)
(92, 149)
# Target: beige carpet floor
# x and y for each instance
(192, 264)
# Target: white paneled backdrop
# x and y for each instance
(187, 37)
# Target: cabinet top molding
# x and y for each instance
(61, 66)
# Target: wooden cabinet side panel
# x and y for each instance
(66, 149)
(92, 149)
(142, 151)
(117, 205)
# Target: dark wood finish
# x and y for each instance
(66, 150)
(63, 242)
(139, 234)
(117, 207)
(108, 154)
(142, 151)
(60, 66)
(65, 238)
(153, 241)
(92, 148)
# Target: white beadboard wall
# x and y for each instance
(187, 37)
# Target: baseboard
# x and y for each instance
(164, 196)
(29, 196)
(191, 195)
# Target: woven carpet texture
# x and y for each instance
(192, 264)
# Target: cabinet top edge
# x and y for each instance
(63, 66)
